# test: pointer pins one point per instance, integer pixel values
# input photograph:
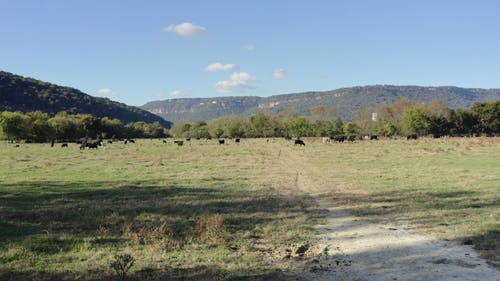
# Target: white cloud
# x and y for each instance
(174, 94)
(238, 82)
(105, 92)
(185, 29)
(178, 93)
(248, 47)
(220, 67)
(278, 73)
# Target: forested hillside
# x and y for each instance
(346, 101)
(19, 93)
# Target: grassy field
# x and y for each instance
(231, 212)
(447, 188)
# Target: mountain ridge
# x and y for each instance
(345, 101)
(19, 93)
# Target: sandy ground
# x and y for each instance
(356, 250)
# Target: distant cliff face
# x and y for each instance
(18, 93)
(346, 101)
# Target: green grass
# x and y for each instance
(446, 188)
(210, 212)
(196, 210)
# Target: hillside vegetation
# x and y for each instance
(23, 94)
(346, 101)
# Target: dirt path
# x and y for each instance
(357, 250)
(362, 251)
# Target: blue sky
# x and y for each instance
(139, 51)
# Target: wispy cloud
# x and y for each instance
(185, 29)
(248, 47)
(178, 93)
(278, 74)
(220, 67)
(238, 82)
(105, 92)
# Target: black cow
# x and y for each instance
(179, 143)
(164, 141)
(339, 138)
(299, 142)
(188, 139)
(93, 145)
(131, 141)
(237, 140)
(373, 137)
(64, 145)
(412, 137)
(221, 142)
(351, 138)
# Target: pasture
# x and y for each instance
(206, 211)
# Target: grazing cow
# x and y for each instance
(131, 141)
(237, 140)
(299, 142)
(164, 141)
(179, 143)
(325, 140)
(412, 137)
(339, 138)
(188, 139)
(351, 138)
(64, 145)
(93, 145)
(17, 145)
(221, 142)
(110, 141)
(373, 137)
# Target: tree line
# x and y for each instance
(402, 117)
(38, 126)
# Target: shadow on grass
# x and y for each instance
(201, 273)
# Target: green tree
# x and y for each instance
(180, 129)
(463, 123)
(39, 129)
(488, 116)
(415, 120)
(231, 126)
(300, 127)
(15, 125)
(199, 130)
(112, 128)
(65, 126)
(89, 124)
(350, 128)
(388, 129)
(266, 124)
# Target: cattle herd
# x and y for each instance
(95, 144)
